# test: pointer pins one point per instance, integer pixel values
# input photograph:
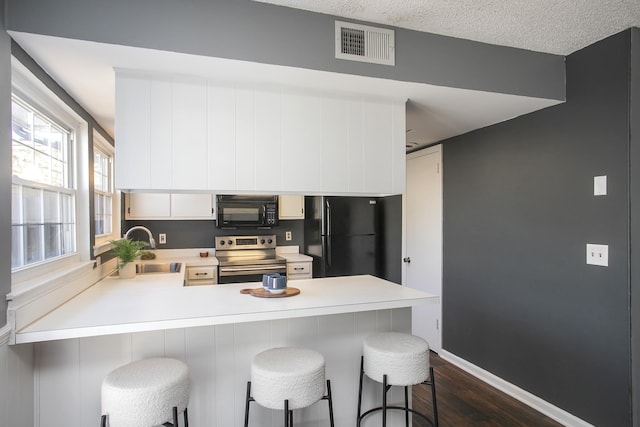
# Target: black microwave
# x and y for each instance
(247, 211)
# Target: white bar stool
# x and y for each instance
(145, 393)
(396, 359)
(288, 378)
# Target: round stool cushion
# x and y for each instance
(143, 393)
(290, 373)
(404, 358)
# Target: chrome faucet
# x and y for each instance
(152, 242)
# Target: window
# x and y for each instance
(103, 191)
(43, 187)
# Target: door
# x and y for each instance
(423, 207)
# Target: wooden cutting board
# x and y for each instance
(263, 293)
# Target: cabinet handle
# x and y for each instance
(201, 274)
(407, 259)
(298, 268)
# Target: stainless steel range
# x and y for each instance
(247, 258)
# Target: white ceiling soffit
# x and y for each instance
(552, 26)
(86, 71)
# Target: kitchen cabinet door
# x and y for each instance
(245, 159)
(147, 205)
(335, 145)
(189, 136)
(159, 154)
(378, 138)
(221, 116)
(291, 206)
(268, 141)
(192, 206)
(133, 119)
(301, 142)
(398, 149)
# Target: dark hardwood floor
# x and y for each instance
(464, 400)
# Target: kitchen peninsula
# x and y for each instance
(216, 330)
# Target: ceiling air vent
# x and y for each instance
(366, 44)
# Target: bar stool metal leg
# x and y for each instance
(186, 418)
(433, 396)
(406, 406)
(330, 403)
(384, 400)
(360, 390)
(246, 408)
(286, 413)
(103, 421)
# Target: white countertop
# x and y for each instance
(160, 301)
(295, 257)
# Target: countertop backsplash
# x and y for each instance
(201, 233)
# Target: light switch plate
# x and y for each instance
(598, 254)
(600, 185)
(163, 238)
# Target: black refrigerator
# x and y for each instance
(342, 235)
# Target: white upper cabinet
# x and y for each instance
(147, 205)
(245, 156)
(196, 206)
(335, 145)
(268, 141)
(160, 134)
(301, 139)
(291, 206)
(189, 137)
(221, 136)
(169, 206)
(133, 116)
(181, 133)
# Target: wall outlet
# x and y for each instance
(162, 237)
(598, 255)
(287, 235)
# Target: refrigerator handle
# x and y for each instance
(327, 251)
(328, 216)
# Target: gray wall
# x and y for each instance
(247, 30)
(518, 298)
(635, 222)
(5, 166)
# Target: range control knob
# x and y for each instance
(230, 242)
(221, 242)
(270, 241)
(262, 241)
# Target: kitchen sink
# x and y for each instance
(167, 267)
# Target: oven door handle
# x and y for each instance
(252, 269)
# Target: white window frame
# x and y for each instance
(101, 243)
(31, 90)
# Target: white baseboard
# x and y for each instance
(540, 405)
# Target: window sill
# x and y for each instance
(31, 299)
(32, 288)
(102, 246)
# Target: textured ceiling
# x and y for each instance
(552, 26)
